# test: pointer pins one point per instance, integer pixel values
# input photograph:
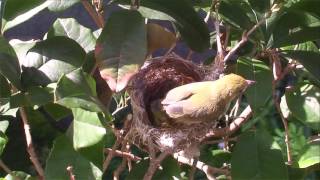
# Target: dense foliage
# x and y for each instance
(51, 85)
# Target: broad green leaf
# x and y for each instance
(215, 157)
(22, 48)
(57, 111)
(3, 126)
(235, 13)
(192, 28)
(88, 135)
(71, 28)
(17, 11)
(77, 90)
(31, 97)
(60, 55)
(309, 59)
(3, 141)
(21, 175)
(254, 157)
(260, 92)
(10, 68)
(121, 48)
(61, 5)
(63, 155)
(304, 104)
(310, 155)
(4, 87)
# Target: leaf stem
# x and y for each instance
(97, 18)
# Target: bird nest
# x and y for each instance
(152, 83)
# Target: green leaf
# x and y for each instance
(60, 55)
(61, 5)
(77, 90)
(88, 135)
(121, 48)
(235, 13)
(62, 156)
(255, 158)
(260, 5)
(17, 11)
(4, 87)
(310, 155)
(309, 59)
(31, 97)
(21, 48)
(192, 28)
(71, 28)
(304, 104)
(9, 68)
(21, 175)
(3, 142)
(256, 70)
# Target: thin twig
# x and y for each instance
(244, 39)
(154, 165)
(220, 141)
(233, 127)
(70, 171)
(8, 170)
(97, 18)
(124, 154)
(208, 170)
(111, 153)
(30, 148)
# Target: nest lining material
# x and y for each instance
(152, 83)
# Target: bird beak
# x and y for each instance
(250, 82)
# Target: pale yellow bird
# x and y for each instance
(200, 101)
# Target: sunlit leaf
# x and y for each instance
(121, 48)
(71, 28)
(304, 104)
(77, 90)
(310, 155)
(61, 5)
(59, 55)
(17, 11)
(21, 175)
(88, 135)
(62, 156)
(254, 157)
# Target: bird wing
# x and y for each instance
(183, 92)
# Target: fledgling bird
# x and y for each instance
(201, 101)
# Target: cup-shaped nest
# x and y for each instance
(152, 83)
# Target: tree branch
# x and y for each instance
(233, 127)
(30, 148)
(97, 18)
(8, 170)
(154, 165)
(124, 154)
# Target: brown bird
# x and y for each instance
(200, 101)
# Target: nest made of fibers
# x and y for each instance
(152, 82)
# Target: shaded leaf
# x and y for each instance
(88, 135)
(304, 104)
(235, 13)
(260, 92)
(159, 37)
(309, 59)
(32, 96)
(121, 48)
(71, 28)
(17, 11)
(60, 55)
(77, 90)
(4, 87)
(61, 5)
(255, 158)
(192, 28)
(62, 156)
(260, 5)
(310, 155)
